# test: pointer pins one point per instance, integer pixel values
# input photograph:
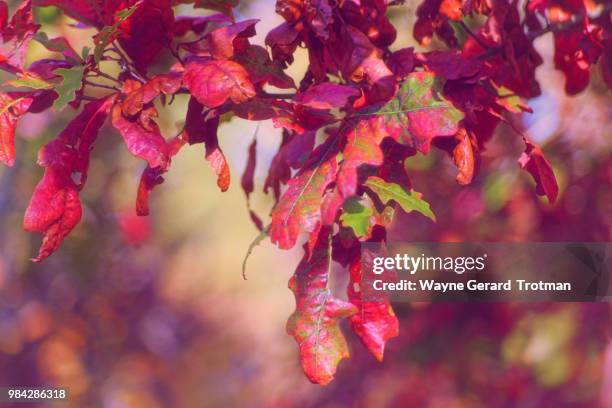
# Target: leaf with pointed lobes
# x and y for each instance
(463, 156)
(149, 30)
(12, 107)
(223, 43)
(167, 84)
(535, 163)
(375, 322)
(200, 129)
(261, 69)
(16, 35)
(55, 208)
(356, 216)
(327, 96)
(408, 200)
(213, 82)
(142, 138)
(246, 181)
(72, 82)
(418, 112)
(315, 322)
(299, 209)
(362, 148)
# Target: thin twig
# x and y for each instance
(112, 88)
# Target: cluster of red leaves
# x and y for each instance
(360, 111)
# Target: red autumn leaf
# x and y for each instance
(451, 65)
(575, 52)
(16, 36)
(167, 84)
(292, 153)
(327, 96)
(318, 13)
(143, 140)
(214, 82)
(375, 322)
(199, 129)
(463, 156)
(261, 69)
(299, 209)
(362, 147)
(224, 42)
(315, 322)
(418, 112)
(401, 62)
(247, 181)
(147, 31)
(283, 40)
(535, 163)
(363, 61)
(55, 209)
(370, 16)
(150, 178)
(12, 107)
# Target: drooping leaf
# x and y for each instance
(408, 200)
(299, 209)
(12, 107)
(200, 129)
(535, 163)
(142, 141)
(314, 324)
(463, 156)
(55, 207)
(71, 83)
(247, 181)
(214, 82)
(375, 321)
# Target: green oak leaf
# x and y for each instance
(408, 200)
(356, 216)
(72, 80)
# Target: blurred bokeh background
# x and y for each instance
(153, 312)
